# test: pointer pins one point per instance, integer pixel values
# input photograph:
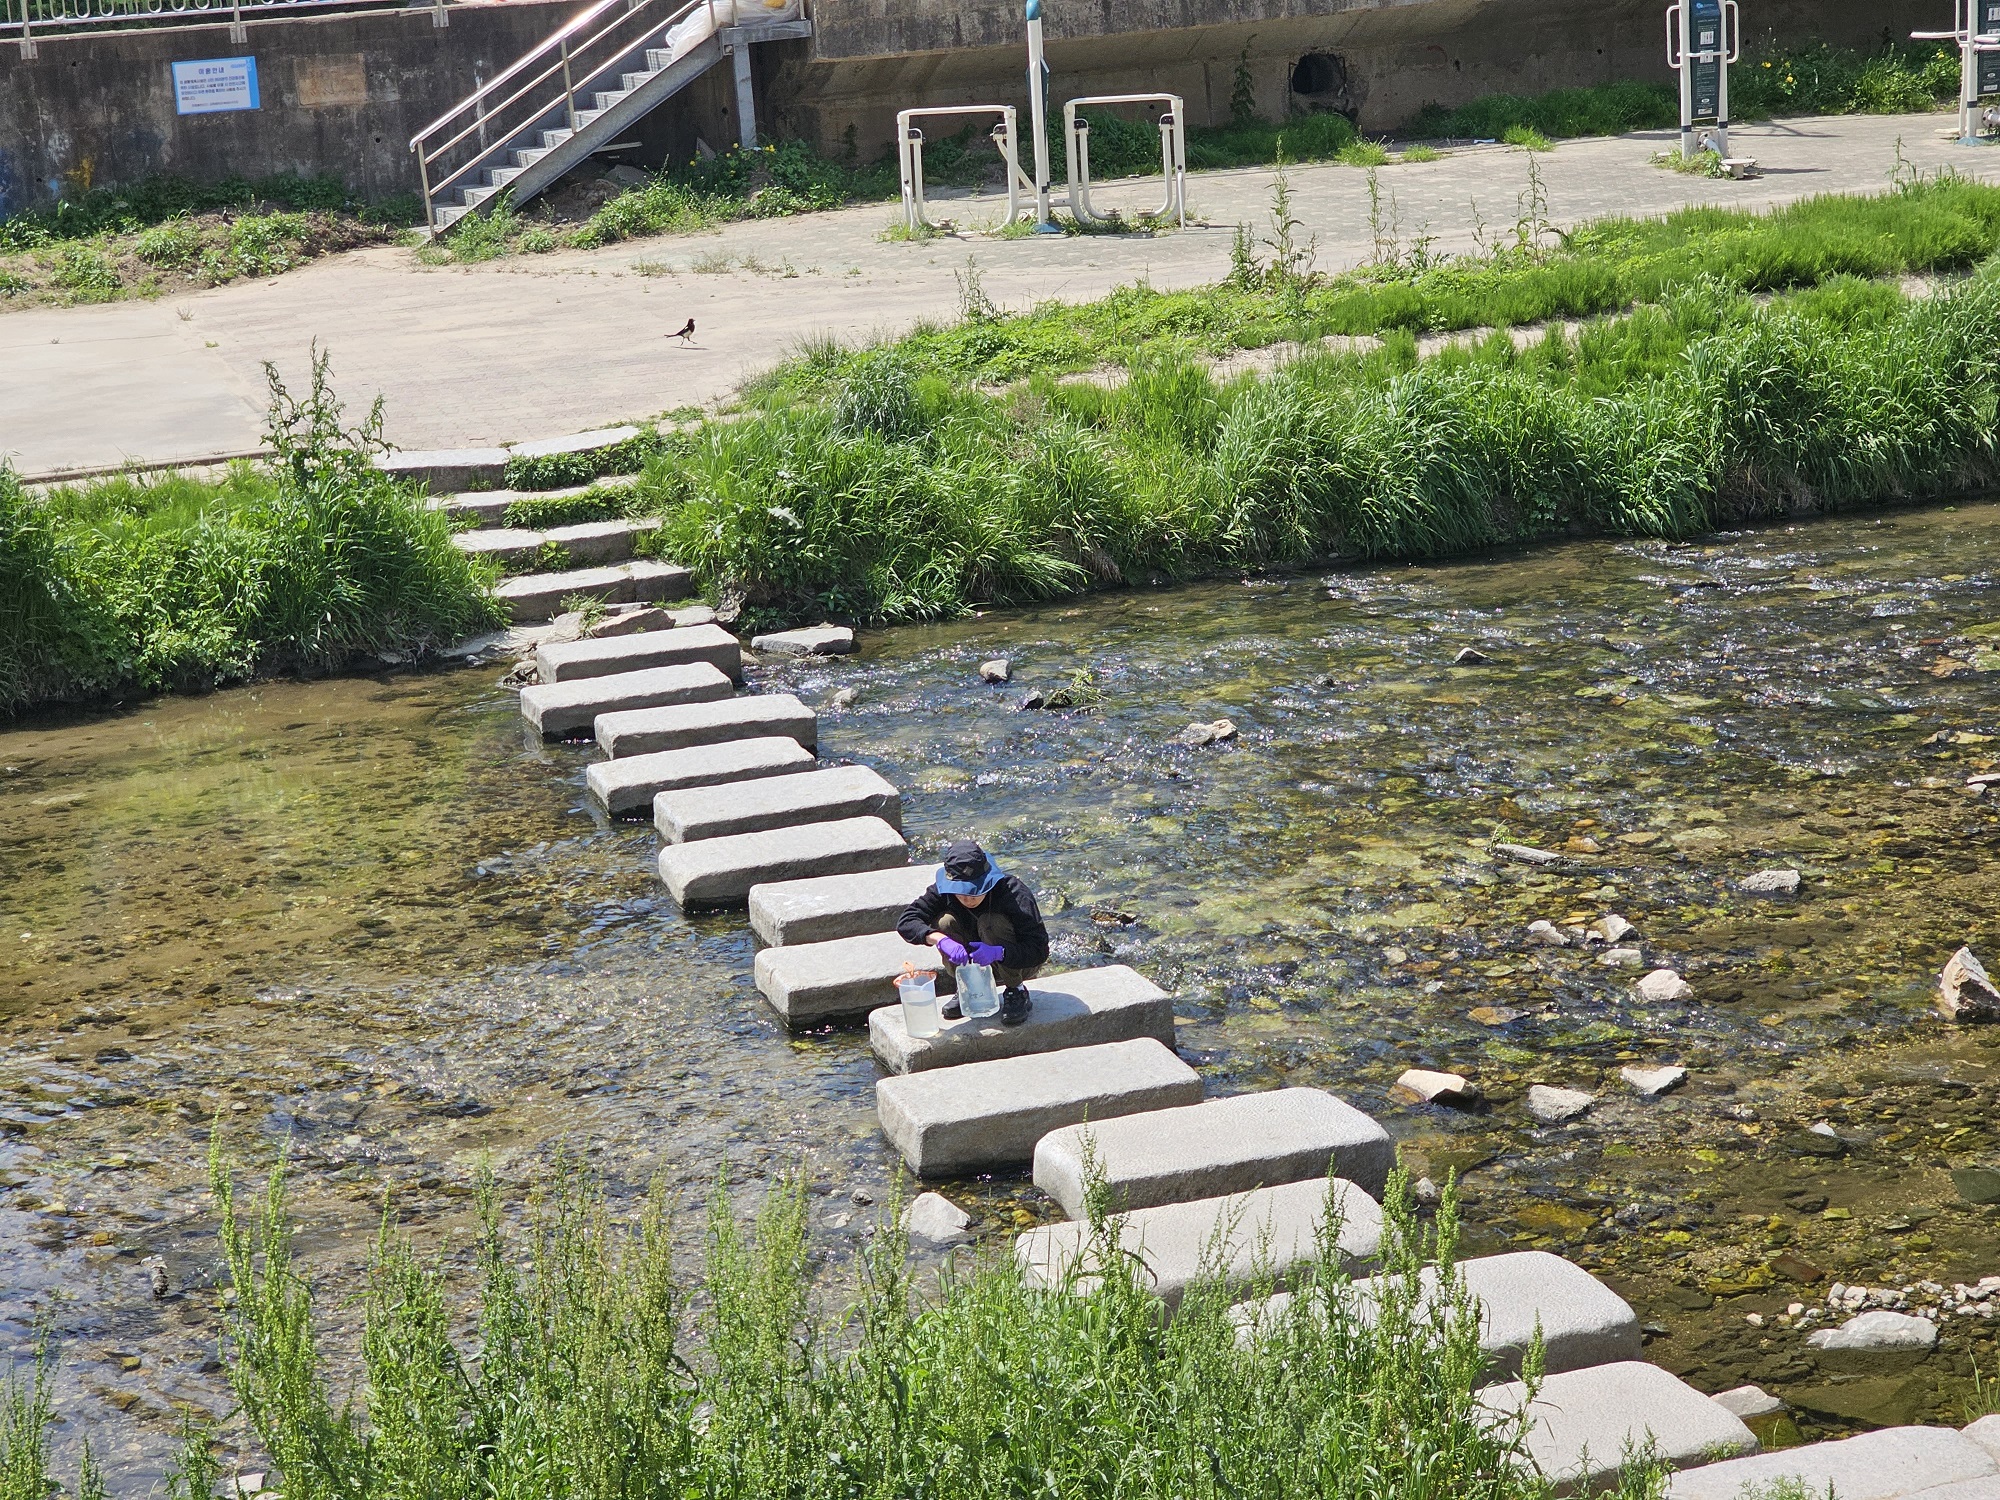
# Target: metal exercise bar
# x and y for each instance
(1173, 153)
(910, 157)
(1976, 32)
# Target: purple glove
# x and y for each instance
(952, 949)
(987, 953)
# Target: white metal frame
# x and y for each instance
(910, 157)
(1972, 42)
(1173, 153)
(1682, 55)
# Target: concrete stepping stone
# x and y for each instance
(560, 709)
(834, 906)
(843, 977)
(1215, 1148)
(1583, 1321)
(1234, 1237)
(587, 542)
(648, 731)
(539, 596)
(608, 655)
(1082, 1008)
(1584, 1421)
(1885, 1465)
(985, 1115)
(689, 814)
(628, 785)
(818, 640)
(720, 872)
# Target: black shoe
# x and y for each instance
(948, 1008)
(1015, 1003)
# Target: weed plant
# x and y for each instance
(161, 200)
(590, 1366)
(131, 584)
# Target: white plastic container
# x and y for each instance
(977, 994)
(918, 992)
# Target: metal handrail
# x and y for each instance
(566, 55)
(48, 23)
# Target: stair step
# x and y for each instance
(445, 470)
(1084, 1008)
(807, 982)
(629, 785)
(605, 656)
(988, 1115)
(527, 156)
(585, 118)
(648, 731)
(1582, 1321)
(489, 507)
(554, 138)
(539, 596)
(1218, 1147)
(659, 58)
(1584, 1422)
(500, 176)
(720, 872)
(834, 906)
(631, 81)
(588, 543)
(448, 214)
(562, 709)
(1239, 1237)
(608, 100)
(474, 196)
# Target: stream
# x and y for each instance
(370, 918)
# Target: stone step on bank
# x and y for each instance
(791, 912)
(627, 787)
(987, 1115)
(1215, 1148)
(609, 656)
(719, 872)
(585, 544)
(650, 731)
(534, 597)
(484, 508)
(1083, 1008)
(560, 710)
(691, 814)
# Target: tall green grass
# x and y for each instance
(133, 584)
(590, 1365)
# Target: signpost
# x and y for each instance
(215, 85)
(1703, 38)
(1038, 116)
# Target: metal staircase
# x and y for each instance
(579, 91)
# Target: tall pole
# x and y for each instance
(1038, 113)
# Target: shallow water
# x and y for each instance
(370, 918)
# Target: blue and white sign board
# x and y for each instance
(215, 85)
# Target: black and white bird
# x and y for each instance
(686, 335)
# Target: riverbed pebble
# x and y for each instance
(1206, 734)
(1612, 928)
(1428, 1087)
(1547, 934)
(999, 669)
(1881, 1329)
(1471, 656)
(1527, 854)
(1653, 1081)
(1621, 958)
(1748, 1401)
(1664, 984)
(1965, 992)
(936, 1220)
(1552, 1106)
(1770, 883)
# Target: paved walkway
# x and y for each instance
(533, 347)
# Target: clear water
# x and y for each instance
(368, 917)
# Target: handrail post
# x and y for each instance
(424, 181)
(569, 88)
(238, 35)
(439, 18)
(29, 50)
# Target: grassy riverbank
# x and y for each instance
(121, 586)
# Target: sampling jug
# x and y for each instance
(918, 992)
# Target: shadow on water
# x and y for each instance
(368, 918)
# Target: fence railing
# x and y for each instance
(30, 21)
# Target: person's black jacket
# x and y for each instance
(1010, 898)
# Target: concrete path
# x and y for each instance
(533, 347)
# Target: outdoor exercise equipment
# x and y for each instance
(1173, 153)
(910, 157)
(1703, 38)
(1976, 30)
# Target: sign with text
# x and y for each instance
(215, 85)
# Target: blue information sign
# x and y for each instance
(214, 85)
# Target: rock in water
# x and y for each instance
(1877, 1330)
(997, 670)
(1612, 927)
(1206, 734)
(1548, 934)
(1665, 984)
(1527, 854)
(936, 1220)
(1472, 657)
(1770, 883)
(1552, 1106)
(1428, 1087)
(1965, 993)
(631, 622)
(156, 1275)
(1748, 1401)
(1034, 698)
(1653, 1081)
(843, 698)
(819, 640)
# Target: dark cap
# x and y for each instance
(966, 870)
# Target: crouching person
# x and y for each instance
(974, 913)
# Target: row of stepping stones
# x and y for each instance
(749, 818)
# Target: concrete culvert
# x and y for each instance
(1319, 79)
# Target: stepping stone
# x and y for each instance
(629, 785)
(708, 812)
(844, 977)
(1215, 1148)
(1583, 1421)
(1884, 1465)
(586, 542)
(606, 656)
(990, 1114)
(560, 709)
(647, 731)
(539, 596)
(1272, 1229)
(1082, 1008)
(1583, 1321)
(834, 906)
(720, 872)
(820, 640)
